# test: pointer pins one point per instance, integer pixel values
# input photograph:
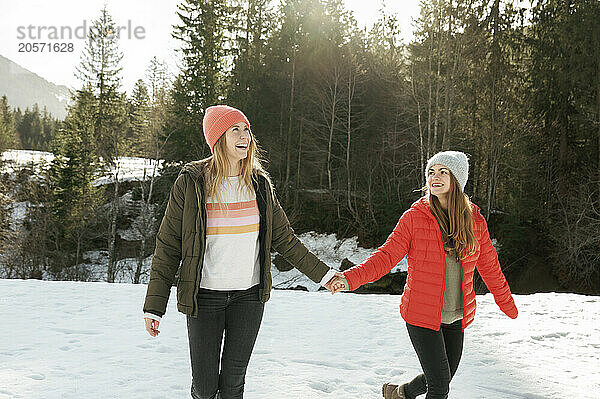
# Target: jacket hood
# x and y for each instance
(195, 168)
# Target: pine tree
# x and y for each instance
(252, 22)
(564, 76)
(49, 126)
(8, 136)
(139, 139)
(99, 69)
(160, 90)
(75, 200)
(8, 140)
(30, 129)
(158, 82)
(203, 33)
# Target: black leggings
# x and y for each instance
(221, 341)
(439, 353)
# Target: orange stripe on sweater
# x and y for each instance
(232, 230)
(237, 213)
(216, 206)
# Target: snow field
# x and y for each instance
(87, 340)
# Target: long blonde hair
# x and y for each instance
(218, 167)
(456, 224)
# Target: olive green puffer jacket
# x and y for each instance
(181, 238)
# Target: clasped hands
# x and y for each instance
(337, 283)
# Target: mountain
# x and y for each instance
(23, 88)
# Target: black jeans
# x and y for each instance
(439, 353)
(238, 314)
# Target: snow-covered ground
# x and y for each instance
(87, 340)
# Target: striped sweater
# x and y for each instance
(231, 259)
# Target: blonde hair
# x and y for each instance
(218, 167)
(456, 224)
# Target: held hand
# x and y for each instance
(337, 283)
(152, 326)
(330, 283)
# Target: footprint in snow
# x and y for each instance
(321, 386)
(164, 349)
(549, 336)
(495, 334)
(382, 371)
(487, 362)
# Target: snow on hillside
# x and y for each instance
(19, 158)
(132, 168)
(129, 168)
(87, 340)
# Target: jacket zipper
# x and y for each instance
(444, 278)
(441, 246)
(201, 208)
(262, 203)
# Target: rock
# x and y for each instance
(346, 264)
(298, 288)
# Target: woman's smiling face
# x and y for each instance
(237, 140)
(438, 180)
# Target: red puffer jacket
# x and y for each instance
(418, 235)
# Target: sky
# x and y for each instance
(147, 33)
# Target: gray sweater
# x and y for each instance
(453, 295)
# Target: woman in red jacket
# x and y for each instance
(444, 237)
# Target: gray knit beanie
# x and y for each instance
(456, 161)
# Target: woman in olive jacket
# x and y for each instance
(221, 221)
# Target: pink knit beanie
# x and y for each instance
(219, 118)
